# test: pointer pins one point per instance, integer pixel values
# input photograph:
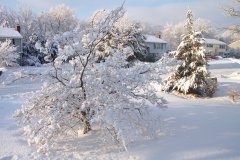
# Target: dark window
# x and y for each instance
(154, 45)
(222, 46)
(13, 41)
(210, 45)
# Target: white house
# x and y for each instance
(13, 35)
(155, 45)
(215, 47)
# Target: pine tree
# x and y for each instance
(191, 76)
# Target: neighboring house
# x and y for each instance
(215, 47)
(234, 49)
(235, 45)
(13, 35)
(155, 45)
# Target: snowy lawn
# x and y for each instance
(193, 129)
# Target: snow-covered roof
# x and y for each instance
(235, 45)
(153, 39)
(214, 41)
(9, 33)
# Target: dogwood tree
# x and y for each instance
(8, 56)
(84, 95)
(192, 75)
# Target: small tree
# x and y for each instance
(8, 56)
(85, 94)
(192, 74)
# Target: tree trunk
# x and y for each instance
(86, 123)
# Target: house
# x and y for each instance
(235, 45)
(215, 47)
(234, 49)
(13, 35)
(155, 45)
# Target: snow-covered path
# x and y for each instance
(197, 129)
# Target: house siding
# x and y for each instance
(156, 50)
(215, 50)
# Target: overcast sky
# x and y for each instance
(158, 12)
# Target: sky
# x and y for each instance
(157, 12)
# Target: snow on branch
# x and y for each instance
(85, 94)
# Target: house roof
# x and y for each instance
(9, 33)
(235, 45)
(214, 41)
(153, 39)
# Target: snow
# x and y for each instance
(192, 129)
(9, 33)
(214, 41)
(153, 39)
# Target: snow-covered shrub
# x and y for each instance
(32, 56)
(84, 95)
(234, 94)
(211, 86)
(50, 51)
(8, 55)
(192, 75)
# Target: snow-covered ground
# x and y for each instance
(193, 129)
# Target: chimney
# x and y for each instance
(158, 35)
(18, 28)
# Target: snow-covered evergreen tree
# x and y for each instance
(84, 95)
(192, 75)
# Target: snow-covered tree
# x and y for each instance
(7, 17)
(173, 33)
(205, 26)
(84, 95)
(126, 33)
(192, 75)
(26, 19)
(8, 56)
(234, 12)
(57, 20)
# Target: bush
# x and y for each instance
(211, 86)
(234, 94)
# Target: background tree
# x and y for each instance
(191, 76)
(234, 12)
(173, 33)
(57, 20)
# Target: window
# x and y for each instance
(210, 45)
(222, 46)
(158, 46)
(13, 41)
(154, 45)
